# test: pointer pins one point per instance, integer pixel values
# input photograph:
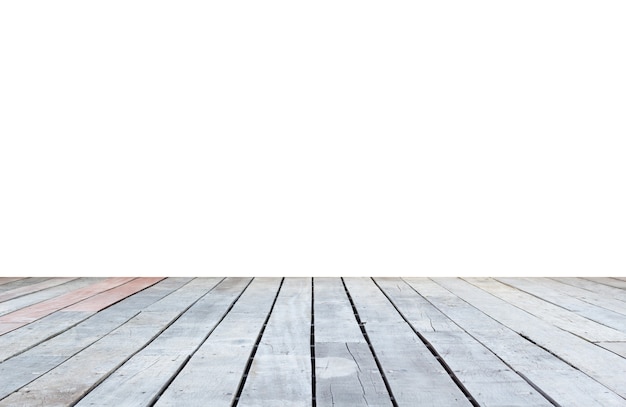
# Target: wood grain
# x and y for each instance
(414, 375)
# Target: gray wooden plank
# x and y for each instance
(593, 312)
(605, 367)
(18, 292)
(284, 352)
(555, 315)
(6, 280)
(68, 382)
(611, 282)
(485, 376)
(212, 375)
(584, 295)
(618, 348)
(20, 370)
(21, 282)
(413, 373)
(593, 285)
(140, 380)
(21, 339)
(40, 296)
(560, 381)
(345, 370)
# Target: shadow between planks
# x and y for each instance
(312, 341)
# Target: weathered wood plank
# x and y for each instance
(555, 315)
(584, 295)
(140, 380)
(68, 382)
(212, 375)
(18, 292)
(593, 312)
(485, 376)
(593, 285)
(345, 370)
(17, 319)
(615, 347)
(563, 383)
(413, 373)
(32, 334)
(580, 353)
(611, 282)
(6, 280)
(20, 370)
(284, 353)
(22, 339)
(40, 296)
(14, 283)
(107, 298)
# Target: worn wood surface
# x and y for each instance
(416, 378)
(18, 292)
(597, 285)
(490, 381)
(6, 280)
(593, 312)
(298, 342)
(68, 382)
(11, 283)
(212, 375)
(557, 316)
(24, 316)
(142, 379)
(25, 367)
(345, 370)
(284, 352)
(563, 383)
(580, 353)
(40, 296)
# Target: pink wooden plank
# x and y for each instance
(101, 301)
(18, 292)
(19, 318)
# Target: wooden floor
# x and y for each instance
(312, 342)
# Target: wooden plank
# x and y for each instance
(17, 319)
(555, 315)
(27, 366)
(5, 280)
(34, 298)
(484, 375)
(18, 292)
(284, 353)
(212, 375)
(30, 335)
(618, 348)
(345, 370)
(560, 381)
(21, 282)
(605, 367)
(68, 382)
(416, 378)
(611, 282)
(107, 298)
(22, 339)
(140, 380)
(593, 285)
(584, 295)
(593, 312)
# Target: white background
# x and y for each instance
(312, 138)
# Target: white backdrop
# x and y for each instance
(312, 138)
